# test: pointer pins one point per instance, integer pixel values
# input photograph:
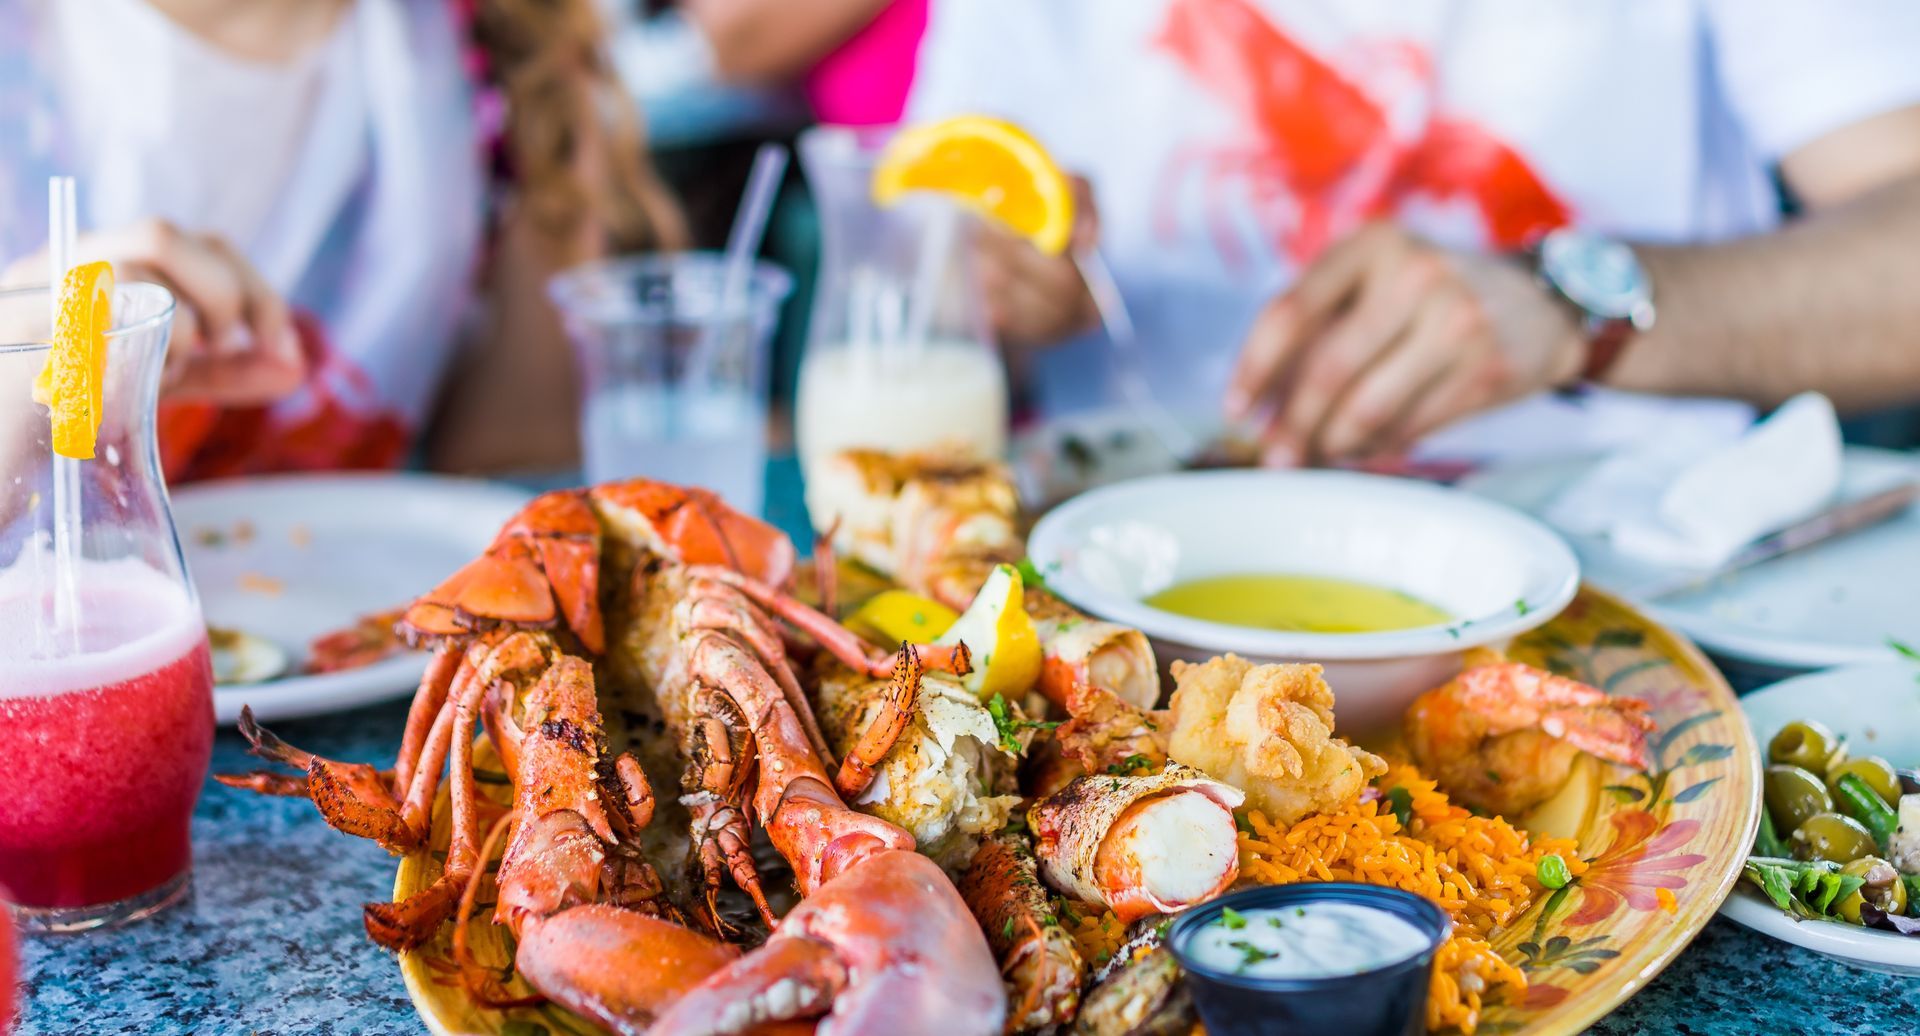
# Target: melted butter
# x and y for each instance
(1312, 940)
(1300, 604)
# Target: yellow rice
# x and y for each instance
(1481, 870)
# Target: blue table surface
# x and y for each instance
(270, 941)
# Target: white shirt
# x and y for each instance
(1229, 140)
(352, 177)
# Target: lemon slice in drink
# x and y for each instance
(892, 616)
(990, 165)
(71, 383)
(1002, 637)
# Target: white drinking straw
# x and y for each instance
(929, 270)
(1129, 368)
(61, 219)
(743, 243)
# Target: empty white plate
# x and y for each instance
(291, 557)
(1832, 604)
(1877, 709)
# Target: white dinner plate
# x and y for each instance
(1877, 709)
(1837, 603)
(291, 557)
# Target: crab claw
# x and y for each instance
(886, 947)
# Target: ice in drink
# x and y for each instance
(900, 397)
(715, 438)
(102, 752)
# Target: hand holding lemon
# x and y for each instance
(1035, 218)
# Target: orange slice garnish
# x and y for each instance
(70, 385)
(990, 165)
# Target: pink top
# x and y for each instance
(865, 81)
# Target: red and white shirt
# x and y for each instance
(1228, 141)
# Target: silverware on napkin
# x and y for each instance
(1831, 523)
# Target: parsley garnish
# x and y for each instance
(1232, 918)
(1400, 800)
(1009, 726)
(1251, 954)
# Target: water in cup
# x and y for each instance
(672, 387)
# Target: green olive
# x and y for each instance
(1807, 744)
(1794, 796)
(1830, 836)
(1883, 889)
(1877, 772)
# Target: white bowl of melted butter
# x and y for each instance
(1385, 581)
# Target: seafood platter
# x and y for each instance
(665, 775)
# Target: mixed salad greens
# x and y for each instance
(1851, 848)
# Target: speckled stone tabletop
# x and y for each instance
(269, 941)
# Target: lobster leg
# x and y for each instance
(635, 787)
(896, 711)
(427, 702)
(409, 923)
(793, 797)
(712, 605)
(720, 839)
(839, 641)
(721, 749)
(826, 568)
(489, 659)
(353, 797)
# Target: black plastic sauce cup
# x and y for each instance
(1389, 1000)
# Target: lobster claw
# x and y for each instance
(886, 947)
(542, 567)
(615, 966)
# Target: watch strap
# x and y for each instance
(1606, 341)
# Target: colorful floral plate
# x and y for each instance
(1665, 847)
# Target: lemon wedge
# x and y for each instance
(71, 383)
(891, 616)
(1004, 642)
(990, 165)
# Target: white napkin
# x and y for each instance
(1588, 423)
(1691, 498)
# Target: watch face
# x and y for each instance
(1602, 277)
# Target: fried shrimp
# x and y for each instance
(1268, 730)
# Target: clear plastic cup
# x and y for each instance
(672, 388)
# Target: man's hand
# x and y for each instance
(233, 339)
(1035, 299)
(1386, 338)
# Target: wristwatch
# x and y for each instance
(1604, 280)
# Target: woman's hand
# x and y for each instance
(233, 338)
(1035, 299)
(1387, 337)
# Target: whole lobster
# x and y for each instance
(881, 942)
